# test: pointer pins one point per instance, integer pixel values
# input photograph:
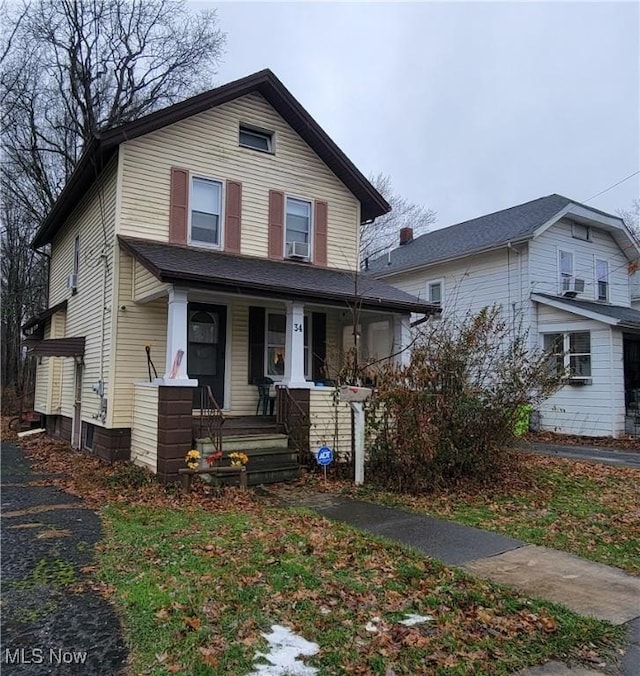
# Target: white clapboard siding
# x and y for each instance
(544, 262)
(207, 145)
(146, 284)
(588, 410)
(144, 426)
(137, 325)
(330, 422)
(88, 312)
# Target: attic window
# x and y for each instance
(580, 231)
(257, 139)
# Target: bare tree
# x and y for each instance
(383, 233)
(71, 69)
(631, 217)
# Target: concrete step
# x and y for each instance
(272, 475)
(261, 458)
(245, 443)
(246, 425)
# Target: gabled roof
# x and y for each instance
(615, 315)
(43, 316)
(515, 224)
(103, 146)
(249, 275)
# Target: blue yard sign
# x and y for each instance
(324, 456)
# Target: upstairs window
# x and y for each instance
(257, 139)
(298, 228)
(580, 231)
(434, 292)
(206, 207)
(602, 280)
(565, 263)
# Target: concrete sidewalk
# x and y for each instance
(621, 457)
(583, 586)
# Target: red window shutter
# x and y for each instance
(276, 224)
(178, 208)
(233, 210)
(320, 236)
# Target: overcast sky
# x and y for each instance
(469, 107)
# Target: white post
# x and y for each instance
(401, 339)
(358, 434)
(294, 347)
(176, 356)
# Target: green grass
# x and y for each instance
(583, 508)
(196, 589)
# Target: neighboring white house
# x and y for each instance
(561, 270)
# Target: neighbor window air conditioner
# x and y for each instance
(572, 287)
(72, 281)
(297, 250)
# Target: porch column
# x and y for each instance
(176, 358)
(294, 347)
(401, 339)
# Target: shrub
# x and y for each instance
(455, 408)
(128, 475)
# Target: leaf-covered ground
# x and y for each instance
(584, 508)
(624, 443)
(198, 578)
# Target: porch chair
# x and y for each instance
(265, 401)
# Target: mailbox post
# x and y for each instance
(355, 396)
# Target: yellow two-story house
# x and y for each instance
(203, 257)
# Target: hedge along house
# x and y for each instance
(220, 234)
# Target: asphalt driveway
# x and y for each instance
(53, 622)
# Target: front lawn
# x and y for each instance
(197, 587)
(584, 508)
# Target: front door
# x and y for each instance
(206, 348)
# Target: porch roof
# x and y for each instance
(615, 315)
(230, 273)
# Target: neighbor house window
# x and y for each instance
(206, 207)
(76, 256)
(434, 292)
(258, 139)
(580, 231)
(602, 280)
(298, 228)
(275, 346)
(570, 353)
(565, 263)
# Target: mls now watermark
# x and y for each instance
(54, 656)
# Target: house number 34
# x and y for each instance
(297, 328)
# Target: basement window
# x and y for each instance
(257, 139)
(88, 436)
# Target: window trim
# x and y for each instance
(433, 282)
(197, 242)
(258, 131)
(308, 366)
(311, 237)
(607, 282)
(561, 288)
(567, 354)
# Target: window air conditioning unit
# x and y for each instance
(573, 287)
(298, 250)
(72, 281)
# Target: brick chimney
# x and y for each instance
(406, 235)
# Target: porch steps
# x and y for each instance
(248, 425)
(247, 443)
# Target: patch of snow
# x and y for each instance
(370, 626)
(283, 656)
(412, 619)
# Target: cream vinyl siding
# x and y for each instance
(144, 426)
(137, 325)
(330, 422)
(146, 284)
(207, 145)
(93, 219)
(44, 373)
(544, 262)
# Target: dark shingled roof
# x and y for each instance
(102, 147)
(478, 234)
(624, 316)
(249, 275)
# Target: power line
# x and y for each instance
(615, 185)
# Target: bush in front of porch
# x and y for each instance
(454, 408)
